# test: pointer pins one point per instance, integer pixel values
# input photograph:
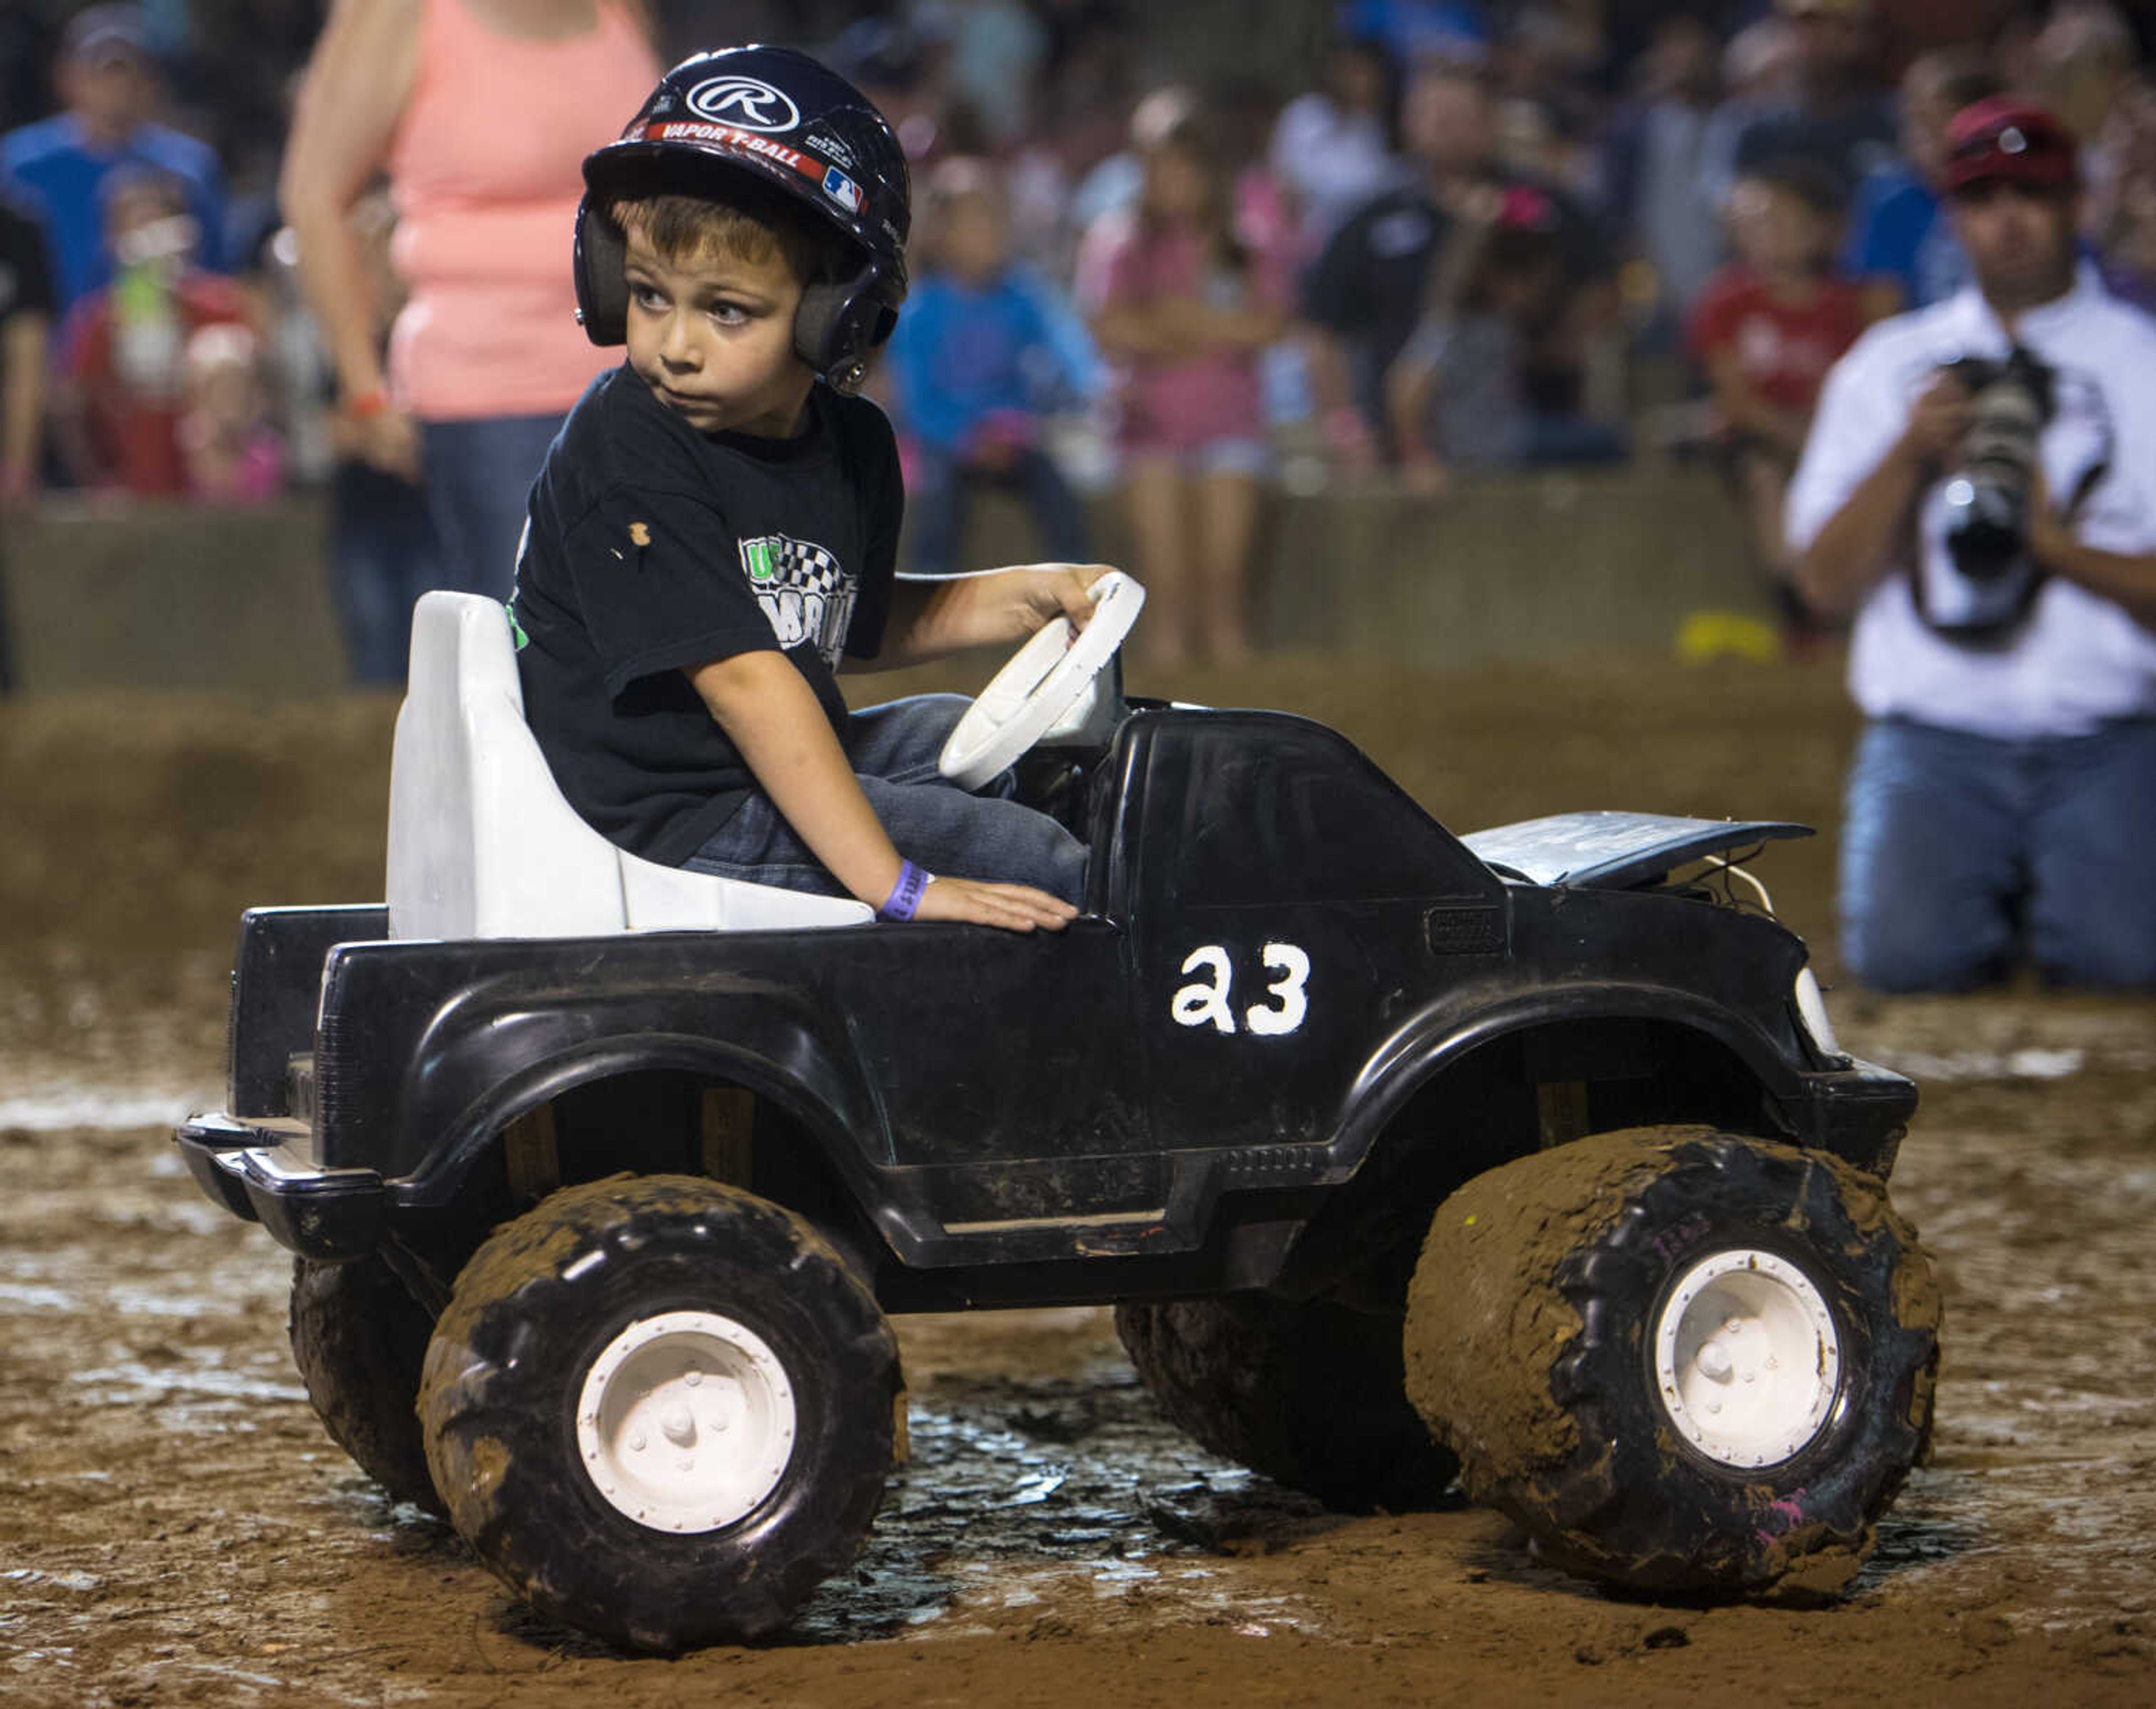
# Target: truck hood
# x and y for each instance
(1614, 850)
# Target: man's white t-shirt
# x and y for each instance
(2079, 661)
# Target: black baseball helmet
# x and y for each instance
(791, 125)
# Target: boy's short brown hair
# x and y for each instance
(752, 225)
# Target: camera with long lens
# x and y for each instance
(1986, 495)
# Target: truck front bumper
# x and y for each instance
(260, 1172)
(1859, 1112)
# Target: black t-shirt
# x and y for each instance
(652, 546)
(1370, 284)
(25, 275)
(1366, 285)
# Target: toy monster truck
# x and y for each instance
(602, 1177)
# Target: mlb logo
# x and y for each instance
(843, 190)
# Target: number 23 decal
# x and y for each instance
(1207, 1000)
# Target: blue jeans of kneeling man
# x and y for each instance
(935, 824)
(1963, 854)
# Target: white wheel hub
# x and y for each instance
(685, 1421)
(1747, 1360)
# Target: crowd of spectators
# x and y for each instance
(1484, 233)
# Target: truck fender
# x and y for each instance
(1437, 1039)
(470, 1081)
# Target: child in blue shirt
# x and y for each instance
(980, 345)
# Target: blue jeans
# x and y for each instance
(479, 486)
(1962, 854)
(941, 494)
(383, 555)
(933, 823)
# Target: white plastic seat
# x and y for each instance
(483, 845)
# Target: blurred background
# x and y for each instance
(1487, 251)
(1468, 482)
(1464, 483)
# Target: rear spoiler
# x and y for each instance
(1614, 851)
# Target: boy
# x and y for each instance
(980, 337)
(1767, 329)
(715, 525)
(123, 350)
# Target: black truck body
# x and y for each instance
(1295, 1011)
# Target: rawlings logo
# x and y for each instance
(746, 102)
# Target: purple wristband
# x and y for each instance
(906, 895)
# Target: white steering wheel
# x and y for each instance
(1048, 684)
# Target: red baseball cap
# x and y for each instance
(2015, 141)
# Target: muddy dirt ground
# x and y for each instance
(174, 1528)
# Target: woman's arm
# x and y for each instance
(1411, 388)
(1253, 327)
(350, 102)
(1142, 329)
(772, 717)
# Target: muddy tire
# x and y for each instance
(1310, 1395)
(661, 1410)
(1680, 1359)
(359, 1339)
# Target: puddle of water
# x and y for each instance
(133, 1383)
(146, 1302)
(1026, 1491)
(2030, 1063)
(71, 1104)
(19, 1296)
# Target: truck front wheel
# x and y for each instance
(1679, 1359)
(661, 1410)
(1309, 1394)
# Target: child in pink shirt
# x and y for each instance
(1184, 307)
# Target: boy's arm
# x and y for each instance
(931, 619)
(1744, 407)
(772, 717)
(1061, 333)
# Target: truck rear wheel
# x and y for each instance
(1310, 1395)
(359, 1339)
(1680, 1359)
(661, 1410)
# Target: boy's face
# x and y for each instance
(712, 335)
(1776, 230)
(974, 241)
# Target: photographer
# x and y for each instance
(1978, 489)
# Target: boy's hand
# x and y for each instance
(1045, 591)
(1014, 907)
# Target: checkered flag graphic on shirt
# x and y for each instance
(803, 589)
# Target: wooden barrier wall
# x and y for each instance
(1532, 566)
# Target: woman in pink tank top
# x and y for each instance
(481, 112)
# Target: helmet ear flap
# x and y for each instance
(601, 264)
(840, 325)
